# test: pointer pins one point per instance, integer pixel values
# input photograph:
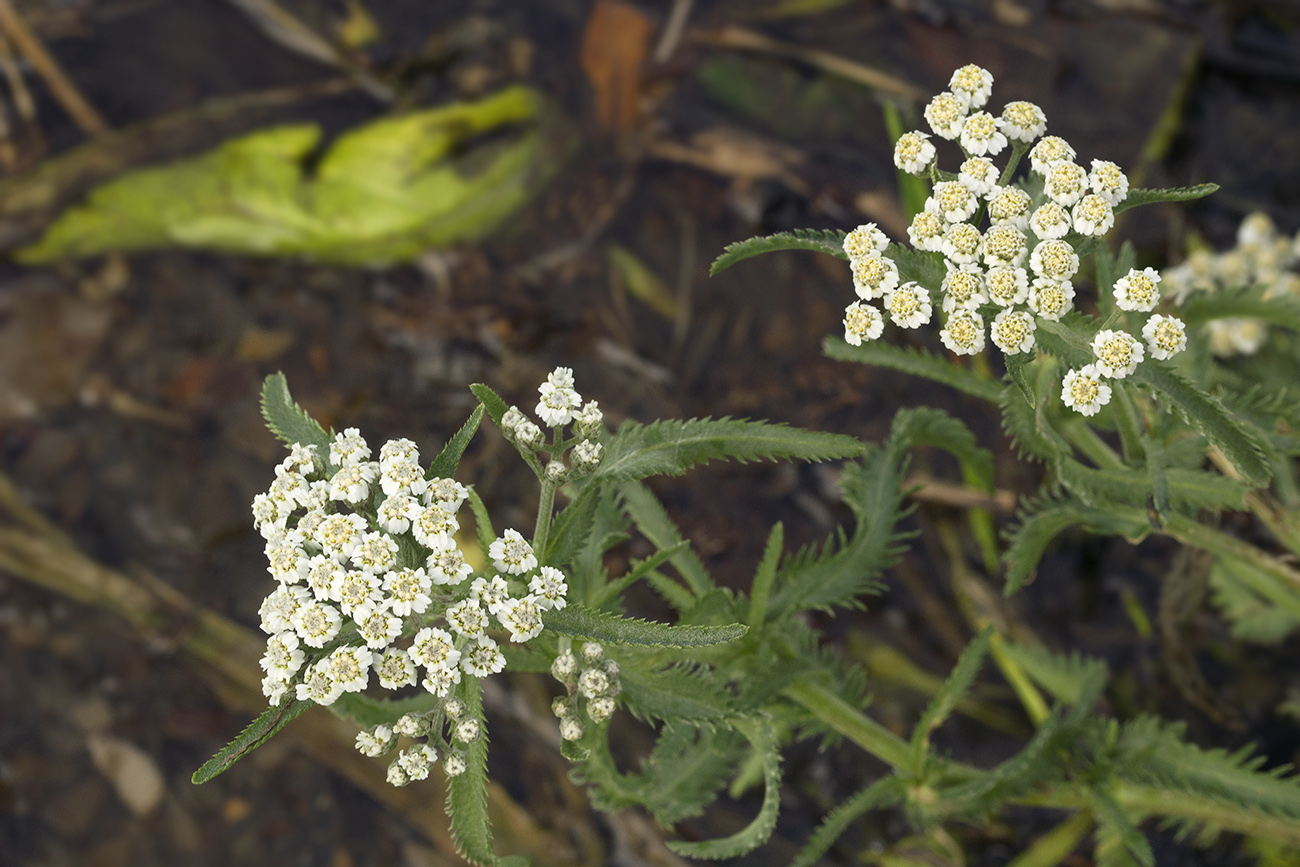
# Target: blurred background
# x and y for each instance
(138, 321)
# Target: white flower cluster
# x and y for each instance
(591, 681)
(369, 578)
(559, 405)
(1262, 257)
(1004, 279)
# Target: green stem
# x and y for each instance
(1056, 845)
(1126, 416)
(1085, 439)
(1018, 150)
(1029, 696)
(545, 506)
(848, 721)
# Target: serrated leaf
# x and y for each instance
(288, 421)
(444, 465)
(495, 406)
(1139, 196)
(1041, 523)
(258, 732)
(673, 447)
(1114, 828)
(917, 362)
(762, 739)
(946, 699)
(764, 576)
(840, 571)
(467, 802)
(822, 241)
(581, 622)
(482, 525)
(1251, 615)
(1065, 677)
(1158, 472)
(924, 426)
(882, 793)
(675, 693)
(369, 712)
(1190, 489)
(1237, 442)
(572, 526)
(650, 518)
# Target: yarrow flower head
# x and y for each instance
(1048, 152)
(979, 175)
(1051, 299)
(972, 84)
(874, 275)
(1118, 353)
(982, 134)
(865, 240)
(909, 305)
(1165, 336)
(964, 332)
(946, 114)
(862, 322)
(1138, 290)
(1084, 390)
(926, 231)
(512, 553)
(1023, 121)
(1093, 215)
(963, 287)
(1107, 181)
(912, 153)
(1013, 331)
(953, 201)
(559, 401)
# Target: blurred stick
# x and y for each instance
(748, 40)
(280, 25)
(226, 654)
(62, 88)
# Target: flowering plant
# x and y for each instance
(374, 572)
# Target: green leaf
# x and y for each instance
(444, 465)
(639, 569)
(1252, 302)
(1139, 196)
(822, 241)
(946, 699)
(1237, 442)
(495, 406)
(1018, 373)
(467, 801)
(653, 522)
(572, 527)
(1155, 454)
(761, 589)
(1257, 615)
(676, 693)
(581, 622)
(841, 571)
(1191, 489)
(258, 732)
(1115, 830)
(885, 792)
(369, 712)
(924, 426)
(290, 422)
(1039, 524)
(1065, 677)
(762, 738)
(673, 447)
(917, 362)
(482, 525)
(383, 192)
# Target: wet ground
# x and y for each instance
(128, 386)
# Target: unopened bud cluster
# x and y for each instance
(1004, 278)
(1263, 256)
(592, 684)
(414, 761)
(559, 405)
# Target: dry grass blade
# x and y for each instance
(67, 94)
(748, 40)
(280, 25)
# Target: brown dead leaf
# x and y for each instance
(614, 48)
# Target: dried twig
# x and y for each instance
(67, 94)
(748, 40)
